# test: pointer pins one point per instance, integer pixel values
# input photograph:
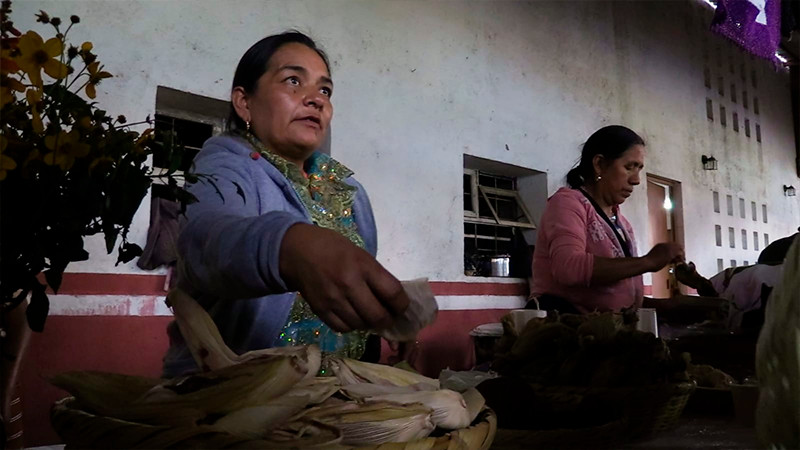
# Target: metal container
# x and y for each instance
(500, 266)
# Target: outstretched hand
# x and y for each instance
(663, 254)
(343, 284)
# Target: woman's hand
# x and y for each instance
(344, 285)
(663, 254)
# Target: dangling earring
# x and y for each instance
(598, 178)
(248, 125)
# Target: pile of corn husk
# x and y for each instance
(270, 398)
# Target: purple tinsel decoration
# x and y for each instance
(754, 25)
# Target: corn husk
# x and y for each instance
(475, 403)
(209, 349)
(318, 389)
(83, 430)
(189, 399)
(200, 332)
(449, 410)
(375, 423)
(421, 312)
(350, 371)
(256, 422)
(362, 391)
(305, 433)
(103, 392)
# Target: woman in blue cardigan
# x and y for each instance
(280, 248)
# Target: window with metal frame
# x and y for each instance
(493, 199)
(494, 214)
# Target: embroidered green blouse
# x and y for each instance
(329, 201)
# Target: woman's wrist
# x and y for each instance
(647, 264)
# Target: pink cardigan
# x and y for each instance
(569, 235)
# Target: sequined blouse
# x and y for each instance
(230, 241)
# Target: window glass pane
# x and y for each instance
(483, 208)
(732, 237)
(486, 180)
(506, 208)
(190, 134)
(742, 212)
(467, 192)
(505, 183)
(718, 235)
(754, 209)
(744, 239)
(729, 204)
(715, 196)
(764, 212)
(755, 240)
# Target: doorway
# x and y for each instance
(665, 222)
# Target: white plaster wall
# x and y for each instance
(418, 84)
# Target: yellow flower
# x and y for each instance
(86, 46)
(65, 148)
(34, 97)
(6, 163)
(35, 55)
(95, 77)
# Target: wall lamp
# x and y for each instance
(709, 162)
(789, 191)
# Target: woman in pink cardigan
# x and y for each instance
(585, 257)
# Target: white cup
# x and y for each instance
(647, 320)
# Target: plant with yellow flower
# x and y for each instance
(67, 168)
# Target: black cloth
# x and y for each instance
(549, 302)
(372, 349)
(775, 252)
(162, 236)
(624, 243)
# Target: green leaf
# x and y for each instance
(54, 276)
(191, 178)
(127, 252)
(110, 233)
(37, 310)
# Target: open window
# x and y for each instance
(500, 205)
(185, 120)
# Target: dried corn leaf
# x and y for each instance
(102, 392)
(449, 410)
(350, 371)
(375, 422)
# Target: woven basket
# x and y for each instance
(606, 436)
(80, 429)
(647, 409)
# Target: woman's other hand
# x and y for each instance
(344, 285)
(663, 254)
